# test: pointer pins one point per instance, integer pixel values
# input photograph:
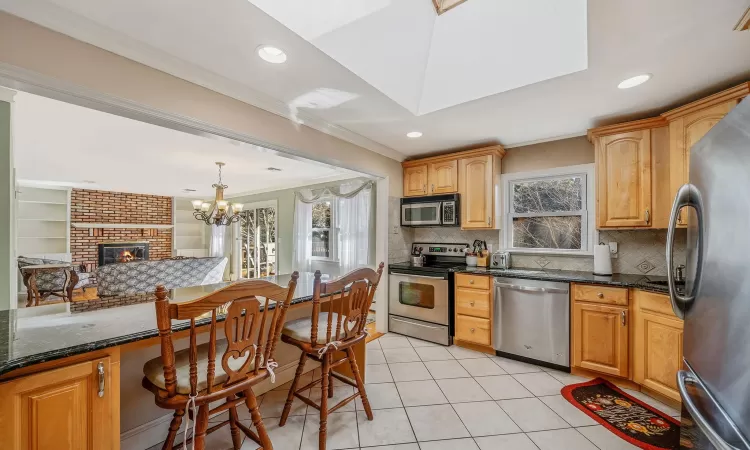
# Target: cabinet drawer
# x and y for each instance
(600, 294)
(474, 303)
(653, 302)
(473, 281)
(473, 329)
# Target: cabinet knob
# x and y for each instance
(471, 303)
(472, 330)
(471, 281)
(600, 295)
(433, 188)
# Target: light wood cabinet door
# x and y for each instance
(623, 164)
(684, 133)
(600, 338)
(415, 181)
(476, 185)
(61, 409)
(442, 177)
(474, 330)
(657, 344)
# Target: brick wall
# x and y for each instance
(118, 207)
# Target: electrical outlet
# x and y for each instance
(613, 250)
(395, 230)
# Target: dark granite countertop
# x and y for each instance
(25, 341)
(647, 283)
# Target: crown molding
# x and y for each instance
(653, 122)
(734, 93)
(744, 22)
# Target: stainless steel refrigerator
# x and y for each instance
(715, 302)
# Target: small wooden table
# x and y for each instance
(29, 277)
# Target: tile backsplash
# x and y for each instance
(399, 238)
(639, 251)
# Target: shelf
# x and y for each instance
(44, 220)
(42, 237)
(121, 225)
(42, 202)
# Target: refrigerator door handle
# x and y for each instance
(687, 195)
(683, 379)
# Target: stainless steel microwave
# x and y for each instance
(432, 211)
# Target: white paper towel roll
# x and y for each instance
(602, 260)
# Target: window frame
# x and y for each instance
(333, 233)
(589, 234)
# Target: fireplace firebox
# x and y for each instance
(119, 252)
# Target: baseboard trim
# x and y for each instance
(152, 433)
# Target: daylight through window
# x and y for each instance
(322, 231)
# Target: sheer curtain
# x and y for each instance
(302, 232)
(217, 245)
(354, 222)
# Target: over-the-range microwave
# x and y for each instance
(432, 211)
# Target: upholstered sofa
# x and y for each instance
(54, 282)
(143, 276)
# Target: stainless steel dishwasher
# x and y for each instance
(532, 321)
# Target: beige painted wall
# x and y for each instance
(548, 155)
(37, 49)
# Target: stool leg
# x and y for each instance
(360, 384)
(173, 427)
(330, 384)
(324, 402)
(292, 389)
(252, 404)
(233, 419)
(201, 425)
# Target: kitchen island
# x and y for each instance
(65, 369)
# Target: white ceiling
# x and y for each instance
(59, 144)
(478, 49)
(688, 45)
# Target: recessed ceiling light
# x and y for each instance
(274, 169)
(271, 54)
(188, 190)
(414, 134)
(89, 182)
(634, 81)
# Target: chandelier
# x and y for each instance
(217, 213)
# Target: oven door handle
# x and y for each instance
(517, 287)
(417, 276)
(395, 319)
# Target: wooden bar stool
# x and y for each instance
(339, 326)
(190, 379)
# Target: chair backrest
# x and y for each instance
(243, 329)
(347, 302)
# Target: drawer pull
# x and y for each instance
(471, 329)
(100, 371)
(471, 303)
(471, 281)
(600, 295)
(623, 318)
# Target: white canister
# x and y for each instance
(471, 261)
(602, 260)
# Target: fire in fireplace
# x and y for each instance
(120, 252)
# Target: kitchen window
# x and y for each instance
(323, 231)
(548, 212)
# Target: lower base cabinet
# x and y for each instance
(600, 338)
(73, 407)
(474, 312)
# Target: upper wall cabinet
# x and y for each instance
(415, 180)
(474, 174)
(640, 165)
(688, 124)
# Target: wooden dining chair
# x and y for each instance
(337, 323)
(190, 379)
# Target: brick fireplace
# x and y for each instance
(105, 207)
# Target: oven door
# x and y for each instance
(422, 297)
(420, 214)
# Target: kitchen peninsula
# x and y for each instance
(68, 366)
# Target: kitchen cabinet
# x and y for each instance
(474, 312)
(623, 168)
(600, 338)
(687, 125)
(415, 180)
(442, 177)
(71, 407)
(657, 344)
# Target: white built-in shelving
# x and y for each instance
(43, 221)
(188, 234)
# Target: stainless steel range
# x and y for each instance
(420, 299)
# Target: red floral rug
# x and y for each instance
(625, 416)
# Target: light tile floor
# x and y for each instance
(428, 397)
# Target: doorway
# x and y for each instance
(258, 240)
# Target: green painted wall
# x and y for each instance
(7, 269)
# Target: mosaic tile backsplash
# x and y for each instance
(639, 251)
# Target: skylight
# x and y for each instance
(444, 5)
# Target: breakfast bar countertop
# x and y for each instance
(25, 341)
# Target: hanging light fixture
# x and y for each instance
(217, 213)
